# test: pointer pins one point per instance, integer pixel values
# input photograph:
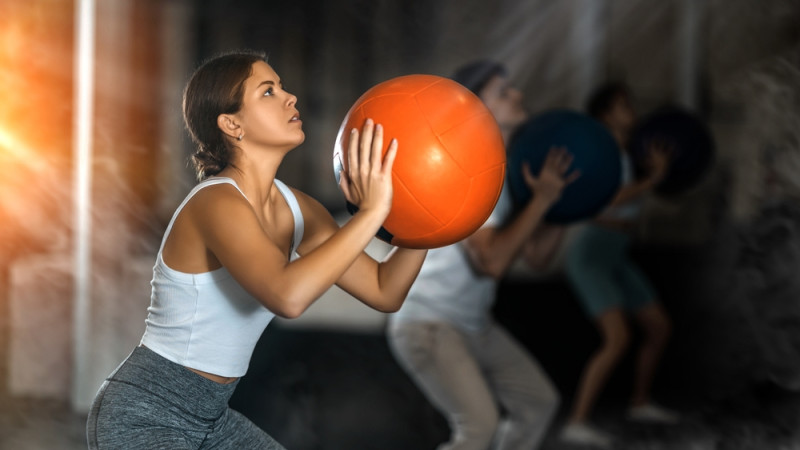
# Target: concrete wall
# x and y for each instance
(732, 61)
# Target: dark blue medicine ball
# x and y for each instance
(690, 141)
(595, 154)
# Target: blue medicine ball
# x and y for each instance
(595, 153)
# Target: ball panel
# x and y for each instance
(409, 219)
(400, 117)
(482, 196)
(441, 195)
(404, 85)
(476, 198)
(446, 104)
(475, 152)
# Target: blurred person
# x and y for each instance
(609, 285)
(241, 248)
(467, 365)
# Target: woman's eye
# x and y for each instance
(269, 91)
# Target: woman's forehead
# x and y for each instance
(262, 72)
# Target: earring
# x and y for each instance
(241, 135)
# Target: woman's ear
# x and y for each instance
(228, 124)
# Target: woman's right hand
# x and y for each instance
(367, 180)
(659, 157)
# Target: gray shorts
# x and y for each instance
(603, 275)
(149, 402)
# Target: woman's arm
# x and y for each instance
(383, 286)
(658, 159)
(542, 246)
(379, 285)
(234, 235)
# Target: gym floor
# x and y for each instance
(343, 390)
(761, 418)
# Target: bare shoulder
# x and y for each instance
(220, 208)
(211, 214)
(312, 209)
(220, 203)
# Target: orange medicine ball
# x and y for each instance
(450, 163)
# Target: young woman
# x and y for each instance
(610, 286)
(242, 248)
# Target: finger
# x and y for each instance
(527, 174)
(366, 143)
(376, 152)
(352, 152)
(391, 154)
(574, 175)
(558, 154)
(552, 157)
(566, 162)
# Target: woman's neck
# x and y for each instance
(254, 177)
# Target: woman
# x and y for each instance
(611, 287)
(228, 263)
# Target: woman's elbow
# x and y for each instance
(286, 308)
(537, 264)
(495, 272)
(386, 302)
(287, 313)
(489, 268)
(390, 305)
(483, 264)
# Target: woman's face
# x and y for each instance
(621, 115)
(504, 101)
(269, 115)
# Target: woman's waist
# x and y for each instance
(174, 383)
(219, 379)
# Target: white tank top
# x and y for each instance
(207, 321)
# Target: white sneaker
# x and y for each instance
(584, 434)
(652, 413)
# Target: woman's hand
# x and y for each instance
(552, 177)
(367, 179)
(659, 156)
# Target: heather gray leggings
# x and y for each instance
(149, 402)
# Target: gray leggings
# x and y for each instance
(149, 402)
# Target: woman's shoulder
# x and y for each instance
(216, 197)
(306, 201)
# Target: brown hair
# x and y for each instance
(215, 88)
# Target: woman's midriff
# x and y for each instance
(214, 378)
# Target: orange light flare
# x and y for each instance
(35, 125)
